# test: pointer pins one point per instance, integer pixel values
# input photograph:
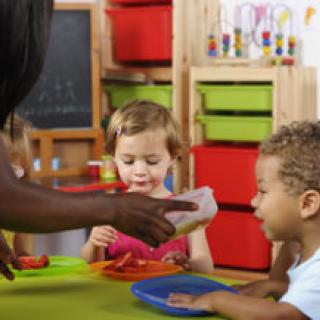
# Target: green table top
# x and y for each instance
(75, 296)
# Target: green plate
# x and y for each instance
(58, 265)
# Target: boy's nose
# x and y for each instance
(254, 202)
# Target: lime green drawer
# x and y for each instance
(236, 128)
(119, 95)
(237, 97)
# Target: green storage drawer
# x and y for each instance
(237, 97)
(119, 95)
(236, 128)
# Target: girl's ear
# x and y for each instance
(173, 160)
(310, 204)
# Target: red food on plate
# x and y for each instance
(32, 262)
(131, 269)
(127, 263)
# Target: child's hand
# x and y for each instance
(262, 288)
(177, 257)
(202, 302)
(103, 236)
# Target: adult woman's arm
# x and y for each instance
(26, 207)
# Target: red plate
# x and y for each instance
(152, 269)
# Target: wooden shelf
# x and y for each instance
(294, 98)
(77, 146)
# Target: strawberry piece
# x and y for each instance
(44, 259)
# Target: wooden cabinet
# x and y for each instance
(278, 94)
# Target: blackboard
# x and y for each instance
(62, 97)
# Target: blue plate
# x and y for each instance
(155, 291)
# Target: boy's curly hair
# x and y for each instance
(141, 115)
(298, 147)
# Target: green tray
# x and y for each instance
(58, 265)
(236, 128)
(237, 97)
(119, 95)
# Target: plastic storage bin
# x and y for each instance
(229, 171)
(142, 1)
(237, 97)
(236, 240)
(236, 128)
(142, 33)
(161, 94)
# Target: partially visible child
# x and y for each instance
(288, 203)
(277, 282)
(17, 142)
(144, 139)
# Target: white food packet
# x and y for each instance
(188, 221)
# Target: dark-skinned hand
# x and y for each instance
(7, 257)
(144, 217)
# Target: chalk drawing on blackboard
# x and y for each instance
(62, 97)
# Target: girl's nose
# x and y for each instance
(140, 169)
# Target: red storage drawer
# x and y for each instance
(142, 33)
(236, 240)
(229, 171)
(142, 1)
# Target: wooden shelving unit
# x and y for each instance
(294, 97)
(73, 147)
(191, 23)
(294, 93)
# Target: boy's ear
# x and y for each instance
(310, 204)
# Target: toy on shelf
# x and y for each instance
(291, 45)
(266, 43)
(266, 31)
(245, 17)
(212, 46)
(279, 44)
(238, 42)
(225, 44)
(282, 18)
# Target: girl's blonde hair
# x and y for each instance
(16, 138)
(141, 115)
(298, 147)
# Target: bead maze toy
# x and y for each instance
(267, 27)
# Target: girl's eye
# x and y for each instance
(128, 162)
(152, 162)
(262, 191)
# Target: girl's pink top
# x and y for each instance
(140, 250)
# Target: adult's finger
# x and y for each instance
(7, 273)
(177, 205)
(15, 262)
(150, 236)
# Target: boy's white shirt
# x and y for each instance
(304, 286)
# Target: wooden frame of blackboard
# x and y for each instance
(95, 54)
(45, 141)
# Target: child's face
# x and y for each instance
(278, 210)
(143, 161)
